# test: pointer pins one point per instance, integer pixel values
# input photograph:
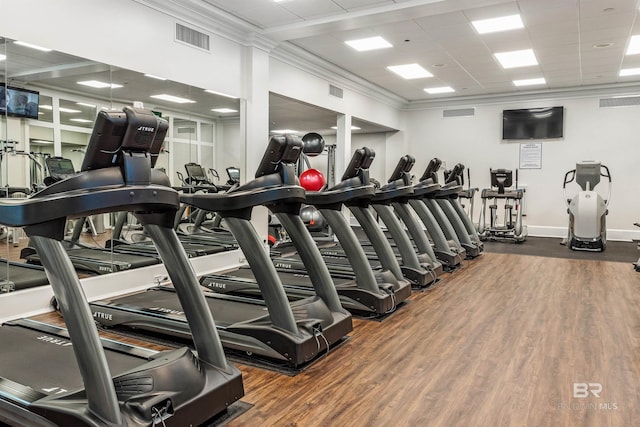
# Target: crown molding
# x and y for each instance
(616, 89)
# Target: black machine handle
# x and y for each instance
(566, 180)
(608, 174)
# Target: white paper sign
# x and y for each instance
(531, 156)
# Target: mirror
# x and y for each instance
(72, 90)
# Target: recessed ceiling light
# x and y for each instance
(634, 45)
(530, 82)
(3, 57)
(41, 141)
(493, 25)
(630, 72)
(352, 128)
(436, 90)
(516, 58)
(154, 77)
(80, 120)
(172, 98)
(69, 110)
(283, 131)
(84, 104)
(410, 71)
(99, 85)
(602, 45)
(224, 110)
(370, 43)
(220, 93)
(45, 107)
(32, 46)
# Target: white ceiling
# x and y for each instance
(438, 35)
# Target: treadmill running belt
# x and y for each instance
(166, 303)
(23, 276)
(52, 368)
(108, 256)
(293, 279)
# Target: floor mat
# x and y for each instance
(551, 247)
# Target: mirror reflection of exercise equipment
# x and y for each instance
(511, 199)
(587, 210)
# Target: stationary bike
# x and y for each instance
(587, 210)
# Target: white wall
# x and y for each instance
(608, 135)
(125, 34)
(289, 81)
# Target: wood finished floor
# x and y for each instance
(499, 343)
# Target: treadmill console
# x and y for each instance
(196, 173)
(59, 168)
(404, 166)
(133, 130)
(282, 149)
(432, 170)
(234, 175)
(455, 175)
(361, 160)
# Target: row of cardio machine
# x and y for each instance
(291, 309)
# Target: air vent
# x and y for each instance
(336, 91)
(192, 37)
(626, 101)
(459, 112)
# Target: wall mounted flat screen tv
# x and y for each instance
(18, 102)
(533, 123)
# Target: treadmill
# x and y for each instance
(289, 333)
(440, 204)
(448, 252)
(416, 266)
(17, 276)
(143, 246)
(85, 258)
(55, 376)
(361, 288)
(450, 204)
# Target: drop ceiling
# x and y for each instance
(578, 43)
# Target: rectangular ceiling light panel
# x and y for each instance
(494, 25)
(370, 43)
(516, 58)
(410, 71)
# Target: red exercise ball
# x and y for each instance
(312, 180)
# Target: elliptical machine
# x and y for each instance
(510, 229)
(587, 210)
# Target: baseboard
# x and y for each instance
(561, 232)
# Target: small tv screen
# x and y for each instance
(19, 102)
(533, 123)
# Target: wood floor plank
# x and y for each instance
(499, 343)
